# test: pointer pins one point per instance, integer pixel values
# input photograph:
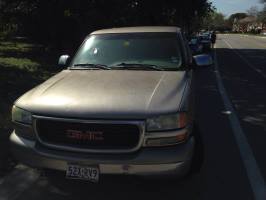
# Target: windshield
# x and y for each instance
(158, 49)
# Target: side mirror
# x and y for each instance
(63, 60)
(203, 60)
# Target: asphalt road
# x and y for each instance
(231, 116)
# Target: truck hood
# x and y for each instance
(106, 94)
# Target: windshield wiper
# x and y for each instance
(90, 66)
(137, 66)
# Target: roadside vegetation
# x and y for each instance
(253, 21)
(23, 65)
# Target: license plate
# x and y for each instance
(83, 173)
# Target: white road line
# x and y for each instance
(253, 172)
(244, 59)
(255, 36)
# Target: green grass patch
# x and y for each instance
(7, 46)
(22, 66)
(20, 63)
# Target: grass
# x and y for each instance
(6, 46)
(23, 65)
(20, 63)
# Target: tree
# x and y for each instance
(66, 21)
(215, 21)
(236, 17)
(262, 15)
(253, 11)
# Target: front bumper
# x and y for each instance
(174, 160)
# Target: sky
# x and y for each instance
(229, 7)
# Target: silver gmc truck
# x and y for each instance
(122, 105)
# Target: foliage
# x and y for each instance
(21, 69)
(262, 15)
(215, 21)
(21, 63)
(253, 11)
(236, 16)
(64, 21)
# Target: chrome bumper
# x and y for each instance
(174, 160)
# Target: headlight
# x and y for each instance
(167, 122)
(21, 116)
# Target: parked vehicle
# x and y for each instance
(124, 105)
(205, 40)
(195, 46)
(263, 32)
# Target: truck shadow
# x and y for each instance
(129, 187)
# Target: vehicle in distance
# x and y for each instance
(195, 46)
(123, 105)
(205, 40)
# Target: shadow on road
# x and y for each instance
(246, 89)
(119, 188)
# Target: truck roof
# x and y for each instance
(139, 29)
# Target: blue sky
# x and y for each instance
(229, 7)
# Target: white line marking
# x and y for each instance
(245, 60)
(244, 35)
(253, 172)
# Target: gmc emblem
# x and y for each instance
(85, 135)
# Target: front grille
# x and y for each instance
(94, 136)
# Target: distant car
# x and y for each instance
(205, 40)
(195, 46)
(123, 105)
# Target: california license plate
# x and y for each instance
(83, 173)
